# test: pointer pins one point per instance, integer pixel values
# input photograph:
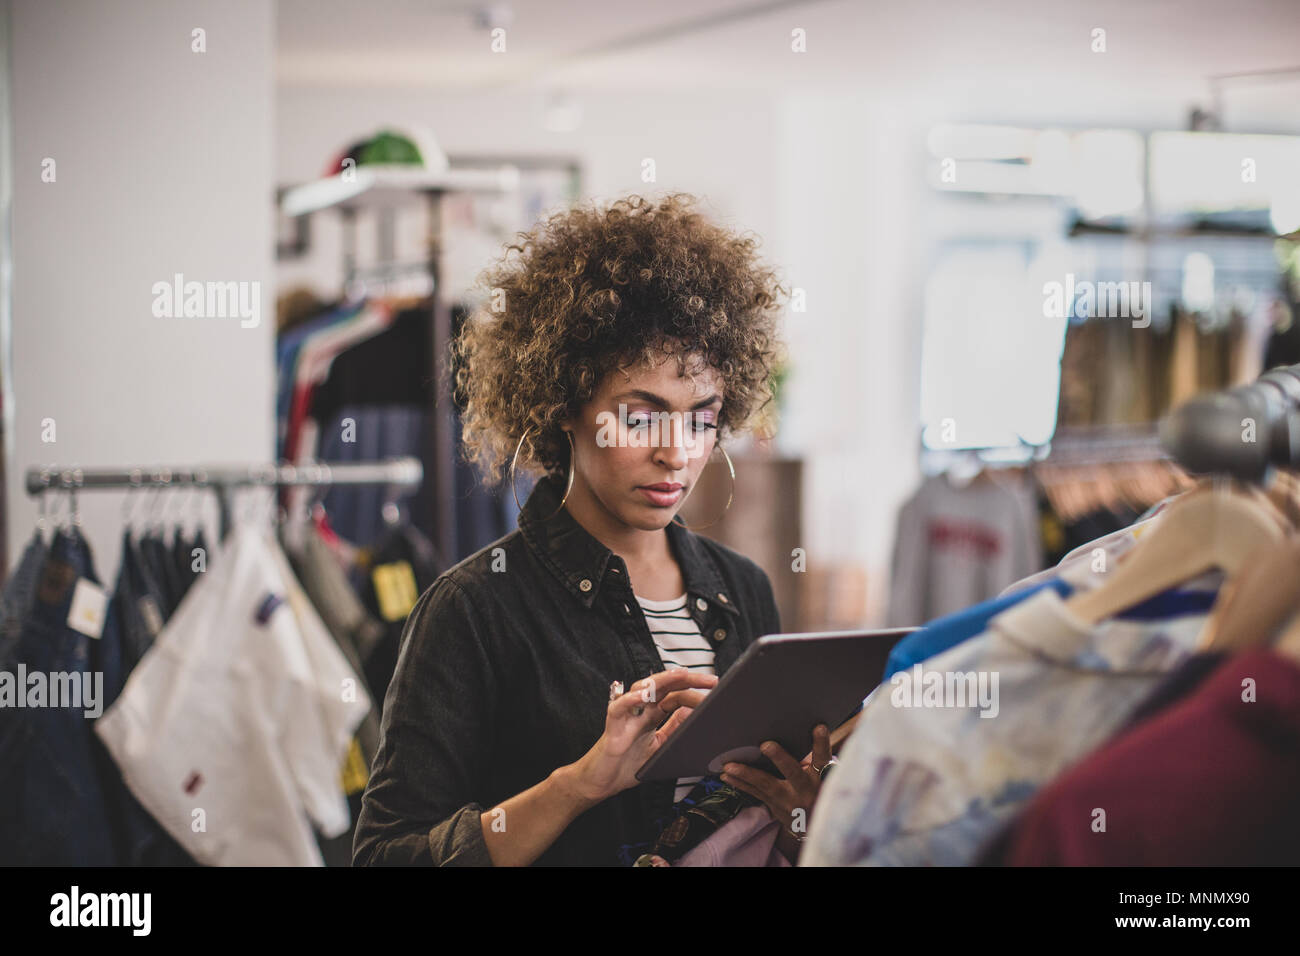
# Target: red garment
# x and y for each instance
(1212, 781)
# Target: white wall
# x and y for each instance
(163, 165)
(720, 146)
(849, 186)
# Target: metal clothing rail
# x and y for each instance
(1241, 432)
(406, 473)
(1104, 445)
(1076, 446)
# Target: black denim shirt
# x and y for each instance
(504, 675)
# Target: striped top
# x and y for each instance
(680, 644)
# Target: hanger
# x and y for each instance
(963, 469)
(1289, 643)
(1257, 601)
(1214, 526)
(44, 502)
(1284, 491)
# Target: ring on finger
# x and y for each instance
(822, 770)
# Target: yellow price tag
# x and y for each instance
(395, 588)
(355, 771)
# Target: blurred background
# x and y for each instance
(1018, 233)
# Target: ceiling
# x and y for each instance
(996, 56)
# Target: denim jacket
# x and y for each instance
(504, 675)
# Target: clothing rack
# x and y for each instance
(1241, 432)
(404, 473)
(1094, 445)
(1104, 445)
(382, 190)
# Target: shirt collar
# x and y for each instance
(582, 563)
(1044, 625)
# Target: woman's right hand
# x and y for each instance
(637, 724)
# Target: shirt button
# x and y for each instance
(702, 604)
(585, 584)
(719, 634)
(722, 598)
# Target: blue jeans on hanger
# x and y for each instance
(52, 807)
(16, 601)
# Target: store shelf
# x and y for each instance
(374, 187)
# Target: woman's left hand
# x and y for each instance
(790, 797)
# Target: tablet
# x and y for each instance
(782, 687)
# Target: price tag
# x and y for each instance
(355, 772)
(87, 612)
(395, 588)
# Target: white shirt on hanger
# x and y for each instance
(233, 729)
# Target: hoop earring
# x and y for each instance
(731, 469)
(569, 484)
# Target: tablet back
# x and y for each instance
(782, 687)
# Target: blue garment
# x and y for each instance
(377, 432)
(287, 347)
(19, 592)
(481, 515)
(52, 807)
(947, 632)
(140, 602)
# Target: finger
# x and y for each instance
(632, 706)
(629, 705)
(656, 686)
(670, 725)
(679, 698)
(768, 794)
(821, 752)
(760, 783)
(788, 766)
(732, 780)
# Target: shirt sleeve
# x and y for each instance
(437, 726)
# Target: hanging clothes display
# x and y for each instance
(55, 810)
(928, 784)
(390, 576)
(958, 545)
(1095, 713)
(221, 666)
(138, 605)
(1228, 749)
(233, 728)
(288, 347)
(375, 403)
(356, 633)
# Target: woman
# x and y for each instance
(530, 687)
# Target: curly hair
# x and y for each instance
(591, 290)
